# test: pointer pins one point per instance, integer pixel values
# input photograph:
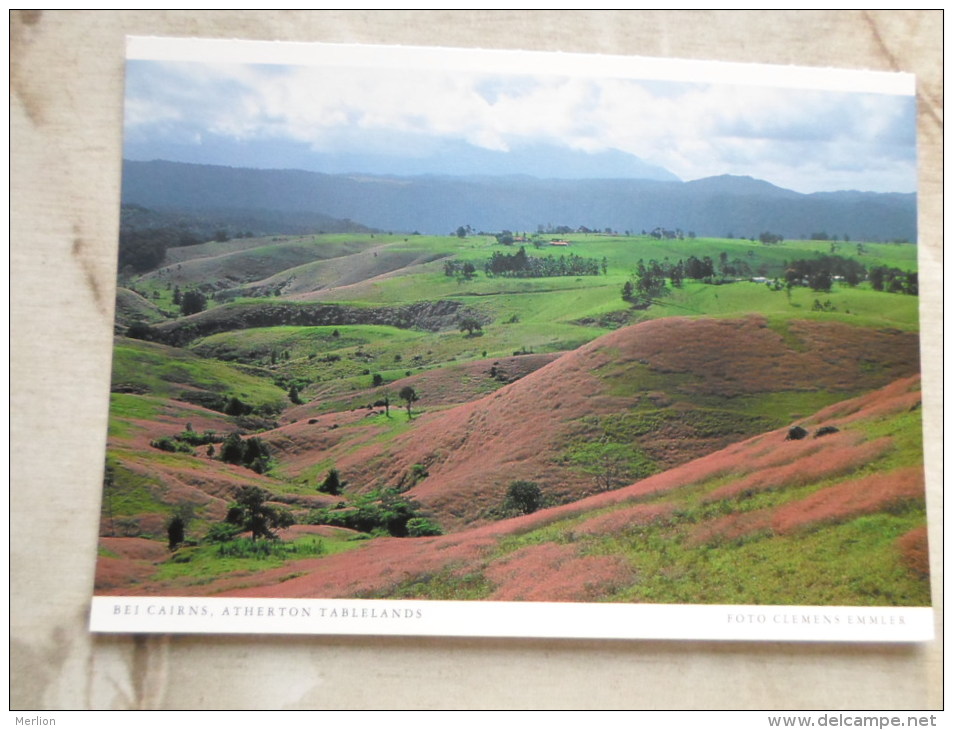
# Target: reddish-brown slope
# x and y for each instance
(478, 447)
(125, 560)
(837, 503)
(559, 571)
(473, 451)
(450, 385)
(741, 356)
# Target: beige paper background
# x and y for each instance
(66, 111)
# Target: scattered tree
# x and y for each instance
(422, 527)
(294, 396)
(233, 449)
(235, 407)
(523, 497)
(176, 532)
(676, 274)
(891, 279)
(648, 284)
(821, 281)
(252, 453)
(700, 269)
(384, 511)
(796, 433)
(221, 532)
(332, 483)
(627, 291)
(471, 325)
(409, 396)
(522, 266)
(250, 513)
(193, 302)
(818, 273)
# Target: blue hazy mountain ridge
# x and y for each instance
(438, 204)
(739, 185)
(421, 157)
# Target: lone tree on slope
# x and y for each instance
(523, 497)
(176, 531)
(250, 513)
(409, 396)
(470, 325)
(332, 483)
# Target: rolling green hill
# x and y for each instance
(430, 387)
(837, 518)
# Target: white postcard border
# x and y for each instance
(189, 615)
(506, 61)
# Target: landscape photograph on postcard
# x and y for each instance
(397, 326)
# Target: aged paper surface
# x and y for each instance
(72, 242)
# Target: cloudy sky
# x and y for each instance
(383, 118)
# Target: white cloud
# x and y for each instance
(814, 140)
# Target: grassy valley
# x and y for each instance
(647, 431)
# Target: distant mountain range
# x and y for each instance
(407, 156)
(715, 206)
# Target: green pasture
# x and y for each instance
(128, 492)
(200, 564)
(326, 258)
(860, 305)
(164, 371)
(854, 562)
(260, 345)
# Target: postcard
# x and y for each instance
(435, 341)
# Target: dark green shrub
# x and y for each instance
(193, 302)
(221, 532)
(332, 483)
(380, 512)
(139, 330)
(245, 548)
(176, 532)
(198, 439)
(422, 527)
(235, 407)
(172, 445)
(204, 398)
(233, 449)
(294, 396)
(252, 453)
(523, 498)
(409, 396)
(250, 513)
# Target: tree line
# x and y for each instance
(818, 273)
(520, 265)
(144, 249)
(891, 279)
